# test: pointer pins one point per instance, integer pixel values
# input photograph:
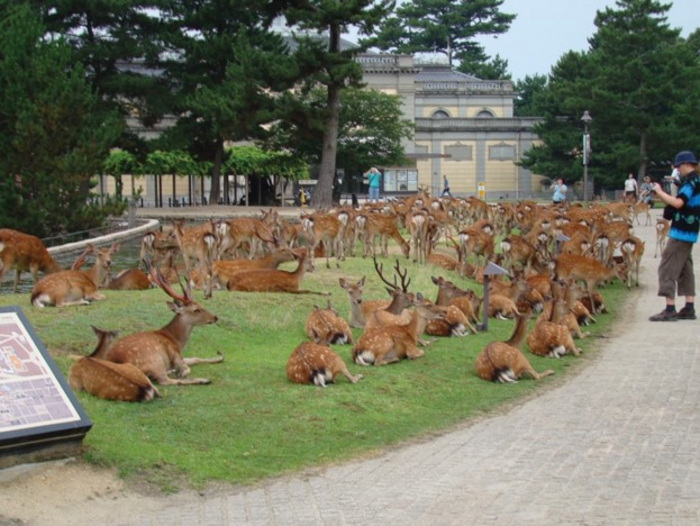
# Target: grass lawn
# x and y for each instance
(251, 422)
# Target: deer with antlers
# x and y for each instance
(324, 326)
(503, 361)
(24, 253)
(360, 309)
(75, 287)
(389, 344)
(157, 353)
(312, 363)
(401, 299)
(200, 244)
(112, 381)
(268, 280)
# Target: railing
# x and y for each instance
(112, 226)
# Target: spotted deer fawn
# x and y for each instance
(157, 353)
(24, 253)
(312, 363)
(503, 361)
(75, 287)
(112, 381)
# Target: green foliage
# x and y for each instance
(251, 160)
(370, 128)
(55, 134)
(639, 80)
(495, 69)
(251, 422)
(447, 27)
(530, 101)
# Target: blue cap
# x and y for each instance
(685, 157)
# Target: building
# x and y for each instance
(465, 130)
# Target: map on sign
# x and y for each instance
(32, 392)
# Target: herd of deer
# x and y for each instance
(556, 257)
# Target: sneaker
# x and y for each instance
(687, 314)
(664, 315)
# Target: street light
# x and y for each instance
(586, 151)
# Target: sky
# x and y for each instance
(546, 29)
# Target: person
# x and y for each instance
(631, 188)
(646, 190)
(676, 267)
(560, 189)
(373, 178)
(445, 187)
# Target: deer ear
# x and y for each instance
(419, 296)
(362, 281)
(435, 280)
(343, 283)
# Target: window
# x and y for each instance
(441, 114)
(485, 114)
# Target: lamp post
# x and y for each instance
(586, 151)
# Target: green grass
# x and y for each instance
(251, 422)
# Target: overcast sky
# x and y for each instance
(546, 29)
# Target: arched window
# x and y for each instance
(485, 114)
(441, 114)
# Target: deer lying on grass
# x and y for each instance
(549, 338)
(273, 280)
(75, 287)
(198, 244)
(503, 361)
(384, 345)
(111, 381)
(130, 279)
(223, 270)
(450, 294)
(662, 227)
(324, 326)
(24, 253)
(360, 309)
(311, 363)
(157, 353)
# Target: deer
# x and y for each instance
(324, 326)
(235, 233)
(268, 280)
(157, 246)
(632, 250)
(24, 253)
(200, 244)
(418, 225)
(517, 249)
(662, 228)
(312, 363)
(503, 361)
(642, 207)
(549, 338)
(130, 279)
(157, 353)
(389, 344)
(401, 300)
(383, 226)
(588, 270)
(112, 381)
(222, 270)
(326, 229)
(75, 287)
(360, 309)
(465, 300)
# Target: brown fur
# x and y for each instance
(311, 363)
(24, 253)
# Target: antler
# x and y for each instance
(404, 283)
(164, 284)
(80, 260)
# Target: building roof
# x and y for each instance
(442, 73)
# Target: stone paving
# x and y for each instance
(617, 443)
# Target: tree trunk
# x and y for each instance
(216, 173)
(323, 193)
(643, 156)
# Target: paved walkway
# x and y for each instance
(618, 443)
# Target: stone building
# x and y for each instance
(465, 130)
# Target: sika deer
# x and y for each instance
(75, 287)
(222, 271)
(267, 280)
(662, 228)
(111, 381)
(360, 309)
(589, 270)
(632, 250)
(384, 345)
(551, 339)
(324, 326)
(503, 361)
(401, 299)
(158, 352)
(24, 253)
(311, 363)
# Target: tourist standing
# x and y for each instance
(676, 268)
(373, 179)
(560, 189)
(631, 188)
